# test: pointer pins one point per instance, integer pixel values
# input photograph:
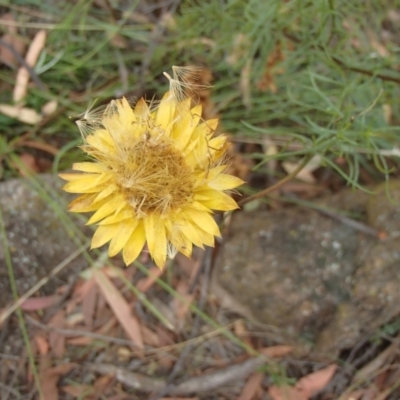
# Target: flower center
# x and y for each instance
(154, 176)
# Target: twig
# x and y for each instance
(277, 185)
(336, 215)
(203, 383)
(359, 226)
(378, 362)
(9, 390)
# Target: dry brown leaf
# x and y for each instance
(120, 307)
(305, 174)
(22, 79)
(313, 383)
(285, 393)
(102, 384)
(252, 387)
(42, 344)
(39, 303)
(276, 351)
(241, 331)
(27, 165)
(89, 304)
(50, 107)
(56, 340)
(49, 379)
(78, 390)
(80, 340)
(144, 284)
(306, 387)
(22, 114)
(356, 395)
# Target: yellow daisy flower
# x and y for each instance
(157, 174)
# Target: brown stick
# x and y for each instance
(203, 383)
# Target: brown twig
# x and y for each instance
(359, 226)
(277, 185)
(203, 383)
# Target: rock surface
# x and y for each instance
(310, 278)
(37, 234)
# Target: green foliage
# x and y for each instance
(316, 76)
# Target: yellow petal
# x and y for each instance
(106, 209)
(134, 245)
(205, 176)
(183, 129)
(86, 203)
(196, 205)
(191, 233)
(206, 238)
(99, 141)
(220, 201)
(121, 236)
(89, 167)
(125, 213)
(211, 125)
(166, 111)
(204, 221)
(217, 147)
(72, 177)
(88, 183)
(141, 110)
(125, 112)
(111, 188)
(82, 203)
(156, 239)
(179, 241)
(182, 244)
(225, 182)
(103, 234)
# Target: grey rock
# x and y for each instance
(38, 234)
(311, 279)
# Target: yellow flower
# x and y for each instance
(157, 174)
